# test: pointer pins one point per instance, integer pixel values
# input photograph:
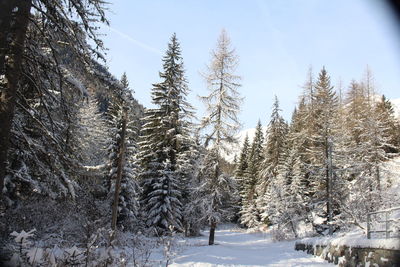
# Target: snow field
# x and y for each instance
(237, 247)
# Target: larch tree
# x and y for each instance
(369, 143)
(222, 123)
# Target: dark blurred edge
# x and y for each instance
(394, 5)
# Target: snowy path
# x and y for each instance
(235, 247)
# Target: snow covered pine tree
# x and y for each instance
(165, 140)
(122, 181)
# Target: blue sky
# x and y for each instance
(277, 41)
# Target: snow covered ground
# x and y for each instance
(236, 247)
(355, 238)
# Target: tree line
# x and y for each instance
(325, 169)
(78, 147)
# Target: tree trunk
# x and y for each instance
(293, 228)
(329, 177)
(378, 178)
(119, 177)
(14, 17)
(213, 225)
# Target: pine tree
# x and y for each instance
(275, 142)
(272, 153)
(165, 144)
(296, 193)
(325, 137)
(125, 83)
(242, 164)
(222, 107)
(249, 213)
(122, 150)
(288, 192)
(256, 150)
(240, 169)
(189, 168)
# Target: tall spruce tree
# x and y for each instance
(249, 213)
(290, 190)
(122, 152)
(272, 154)
(273, 148)
(164, 142)
(242, 164)
(325, 138)
(240, 167)
(222, 107)
(292, 205)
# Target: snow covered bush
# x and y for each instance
(22, 254)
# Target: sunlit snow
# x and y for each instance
(237, 247)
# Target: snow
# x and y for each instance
(238, 247)
(392, 167)
(95, 168)
(234, 149)
(23, 236)
(75, 82)
(396, 106)
(35, 255)
(355, 238)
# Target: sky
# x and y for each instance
(276, 41)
